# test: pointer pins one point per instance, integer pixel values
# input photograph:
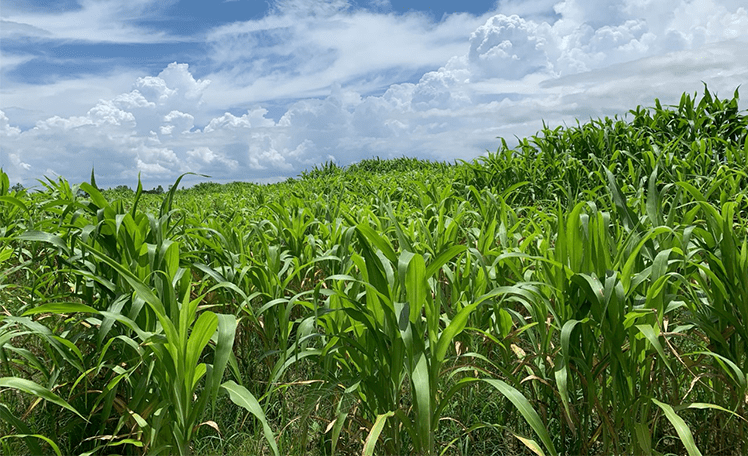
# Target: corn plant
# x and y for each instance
(580, 293)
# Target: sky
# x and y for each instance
(247, 90)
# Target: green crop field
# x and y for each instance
(585, 292)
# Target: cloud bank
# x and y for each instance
(339, 73)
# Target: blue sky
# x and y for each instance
(261, 90)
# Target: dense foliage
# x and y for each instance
(585, 292)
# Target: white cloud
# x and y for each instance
(27, 103)
(228, 121)
(147, 170)
(201, 156)
(99, 21)
(16, 161)
(501, 76)
(304, 47)
(10, 61)
(5, 128)
(509, 47)
(183, 122)
(173, 87)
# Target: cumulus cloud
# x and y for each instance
(183, 122)
(145, 130)
(509, 47)
(507, 74)
(26, 103)
(228, 121)
(202, 156)
(6, 129)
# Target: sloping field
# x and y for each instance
(583, 293)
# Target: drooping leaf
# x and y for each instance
(240, 396)
(684, 432)
(27, 386)
(526, 410)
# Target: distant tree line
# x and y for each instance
(125, 189)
